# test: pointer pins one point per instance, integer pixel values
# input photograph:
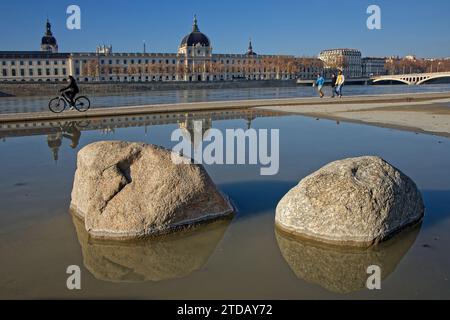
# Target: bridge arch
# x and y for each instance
(441, 76)
(404, 81)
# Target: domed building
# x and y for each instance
(194, 53)
(48, 42)
(194, 61)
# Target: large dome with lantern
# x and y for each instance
(195, 37)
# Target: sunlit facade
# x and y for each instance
(194, 61)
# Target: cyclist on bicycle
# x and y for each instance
(71, 91)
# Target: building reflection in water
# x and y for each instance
(59, 131)
(191, 130)
(68, 130)
(155, 259)
(342, 270)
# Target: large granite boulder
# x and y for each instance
(357, 202)
(343, 269)
(166, 257)
(126, 190)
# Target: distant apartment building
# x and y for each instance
(410, 57)
(373, 66)
(347, 60)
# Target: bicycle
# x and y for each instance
(59, 104)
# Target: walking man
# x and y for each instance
(319, 83)
(333, 85)
(340, 83)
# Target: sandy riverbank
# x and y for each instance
(432, 116)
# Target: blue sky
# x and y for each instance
(282, 26)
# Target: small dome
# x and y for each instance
(195, 37)
(48, 40)
(250, 51)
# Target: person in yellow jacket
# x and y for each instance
(340, 83)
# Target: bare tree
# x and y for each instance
(91, 69)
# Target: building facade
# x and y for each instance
(372, 66)
(347, 60)
(194, 61)
(34, 66)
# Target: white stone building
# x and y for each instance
(347, 60)
(33, 66)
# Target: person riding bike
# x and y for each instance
(71, 91)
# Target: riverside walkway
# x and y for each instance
(223, 105)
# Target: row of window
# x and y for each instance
(33, 62)
(31, 72)
(139, 61)
(110, 62)
(253, 61)
(55, 72)
(198, 52)
(161, 78)
(173, 78)
(167, 61)
(113, 70)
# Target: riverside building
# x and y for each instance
(194, 61)
(347, 60)
(373, 66)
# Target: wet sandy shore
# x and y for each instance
(432, 117)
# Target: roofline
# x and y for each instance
(32, 54)
(49, 55)
(343, 49)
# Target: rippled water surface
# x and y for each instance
(240, 258)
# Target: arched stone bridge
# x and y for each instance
(412, 79)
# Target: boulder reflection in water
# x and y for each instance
(338, 269)
(155, 259)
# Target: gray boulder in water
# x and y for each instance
(357, 202)
(125, 190)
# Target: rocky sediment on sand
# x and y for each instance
(125, 190)
(355, 202)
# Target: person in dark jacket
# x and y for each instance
(333, 85)
(71, 90)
